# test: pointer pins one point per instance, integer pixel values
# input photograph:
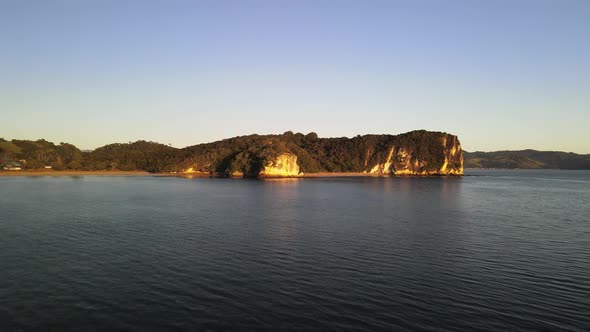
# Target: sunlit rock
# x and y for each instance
(283, 165)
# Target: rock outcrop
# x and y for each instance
(404, 160)
(418, 152)
(453, 164)
(289, 154)
(284, 165)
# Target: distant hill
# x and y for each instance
(530, 159)
(40, 153)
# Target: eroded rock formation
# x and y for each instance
(402, 160)
(284, 165)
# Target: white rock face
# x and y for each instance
(401, 161)
(452, 148)
(384, 168)
(284, 165)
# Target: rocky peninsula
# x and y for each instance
(416, 153)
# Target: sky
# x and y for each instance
(502, 75)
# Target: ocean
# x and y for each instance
(491, 251)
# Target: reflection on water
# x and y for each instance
(280, 210)
(281, 180)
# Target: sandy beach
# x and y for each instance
(76, 173)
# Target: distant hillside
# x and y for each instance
(40, 153)
(418, 152)
(530, 159)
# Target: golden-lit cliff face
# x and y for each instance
(401, 161)
(384, 168)
(284, 165)
(453, 164)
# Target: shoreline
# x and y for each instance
(53, 173)
(76, 173)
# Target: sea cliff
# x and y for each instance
(402, 160)
(283, 165)
(417, 153)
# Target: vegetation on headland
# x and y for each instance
(244, 154)
(248, 154)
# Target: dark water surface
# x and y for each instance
(502, 251)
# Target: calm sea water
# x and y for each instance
(502, 250)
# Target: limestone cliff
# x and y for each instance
(453, 164)
(284, 165)
(445, 159)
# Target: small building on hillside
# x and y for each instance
(12, 166)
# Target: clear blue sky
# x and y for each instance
(500, 74)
